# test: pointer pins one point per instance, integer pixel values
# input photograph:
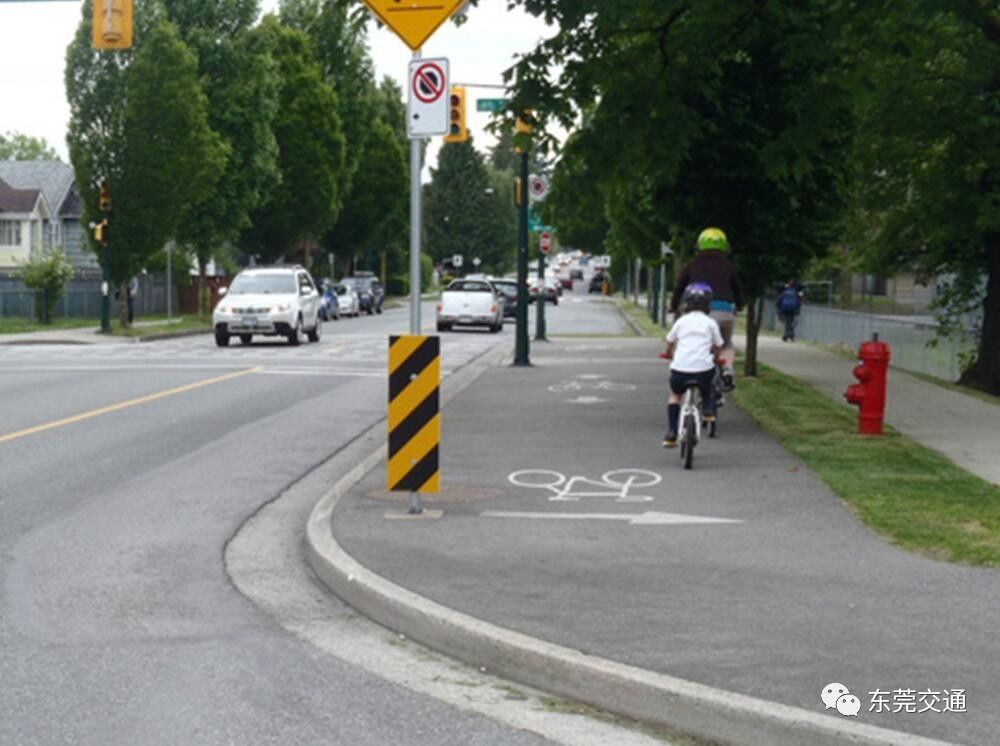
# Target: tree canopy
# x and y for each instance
(17, 147)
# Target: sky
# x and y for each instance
(34, 37)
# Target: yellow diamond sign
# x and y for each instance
(414, 20)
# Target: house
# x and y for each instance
(23, 213)
(62, 225)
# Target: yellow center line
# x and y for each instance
(124, 405)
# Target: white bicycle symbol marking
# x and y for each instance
(564, 386)
(615, 483)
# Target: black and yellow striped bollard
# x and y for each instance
(414, 416)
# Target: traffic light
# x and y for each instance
(112, 24)
(457, 131)
(101, 231)
(104, 203)
(525, 124)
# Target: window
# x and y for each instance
(10, 233)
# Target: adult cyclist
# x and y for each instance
(712, 266)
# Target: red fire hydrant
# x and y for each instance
(869, 394)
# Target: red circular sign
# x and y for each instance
(428, 83)
(545, 242)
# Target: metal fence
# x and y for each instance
(82, 299)
(914, 344)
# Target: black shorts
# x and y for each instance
(679, 382)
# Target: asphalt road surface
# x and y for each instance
(125, 471)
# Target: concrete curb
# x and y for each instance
(631, 324)
(629, 691)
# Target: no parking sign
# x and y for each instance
(427, 104)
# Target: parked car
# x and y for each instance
(347, 299)
(369, 291)
(470, 303)
(329, 306)
(596, 283)
(548, 288)
(507, 290)
(272, 301)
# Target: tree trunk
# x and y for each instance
(985, 372)
(202, 286)
(755, 312)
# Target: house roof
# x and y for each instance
(17, 200)
(54, 178)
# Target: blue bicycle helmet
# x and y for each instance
(697, 297)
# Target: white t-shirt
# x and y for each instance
(695, 334)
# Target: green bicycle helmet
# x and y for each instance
(713, 239)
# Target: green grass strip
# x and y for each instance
(911, 495)
(20, 324)
(640, 317)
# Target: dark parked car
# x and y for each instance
(369, 291)
(507, 290)
(596, 283)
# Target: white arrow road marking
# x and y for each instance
(633, 519)
(586, 400)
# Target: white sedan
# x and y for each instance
(347, 300)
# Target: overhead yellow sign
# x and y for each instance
(414, 20)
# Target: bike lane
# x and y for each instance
(563, 519)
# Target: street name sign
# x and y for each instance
(427, 102)
(414, 21)
(490, 104)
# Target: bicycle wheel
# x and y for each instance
(690, 434)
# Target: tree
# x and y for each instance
(575, 206)
(311, 149)
(716, 113)
(928, 177)
(458, 210)
(338, 32)
(48, 274)
(240, 80)
(375, 213)
(139, 122)
(17, 147)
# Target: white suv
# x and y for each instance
(271, 301)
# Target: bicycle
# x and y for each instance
(692, 416)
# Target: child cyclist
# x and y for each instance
(693, 342)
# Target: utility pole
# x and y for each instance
(102, 234)
(521, 357)
(540, 301)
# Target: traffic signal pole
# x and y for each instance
(521, 338)
(106, 287)
(540, 302)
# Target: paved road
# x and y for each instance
(125, 470)
(118, 624)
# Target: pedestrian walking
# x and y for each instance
(133, 291)
(789, 306)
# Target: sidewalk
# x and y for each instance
(962, 427)
(90, 336)
(574, 554)
(78, 336)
